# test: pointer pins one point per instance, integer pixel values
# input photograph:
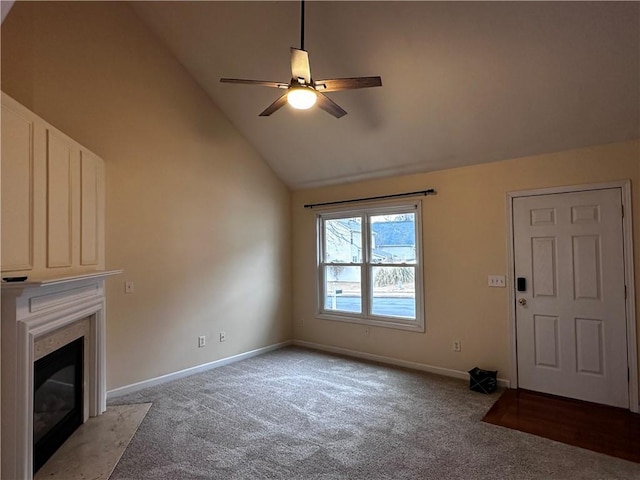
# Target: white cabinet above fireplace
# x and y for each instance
(52, 198)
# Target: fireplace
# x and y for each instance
(39, 319)
(57, 399)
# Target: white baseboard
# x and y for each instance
(447, 372)
(134, 387)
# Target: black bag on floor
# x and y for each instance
(483, 381)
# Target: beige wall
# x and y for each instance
(195, 217)
(465, 239)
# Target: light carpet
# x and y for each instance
(301, 414)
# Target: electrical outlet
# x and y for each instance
(497, 281)
(223, 336)
(128, 287)
(457, 346)
(202, 341)
(366, 331)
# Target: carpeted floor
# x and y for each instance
(298, 414)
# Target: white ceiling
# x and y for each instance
(463, 83)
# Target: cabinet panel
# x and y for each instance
(59, 214)
(89, 208)
(17, 191)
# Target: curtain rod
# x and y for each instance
(430, 191)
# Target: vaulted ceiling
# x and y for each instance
(463, 82)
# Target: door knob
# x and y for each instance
(522, 301)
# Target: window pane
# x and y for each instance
(342, 290)
(393, 238)
(343, 240)
(394, 291)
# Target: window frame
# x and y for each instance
(366, 266)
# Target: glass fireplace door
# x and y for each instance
(57, 399)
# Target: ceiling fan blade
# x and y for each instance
(279, 103)
(335, 84)
(300, 65)
(329, 106)
(263, 83)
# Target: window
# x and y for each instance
(370, 266)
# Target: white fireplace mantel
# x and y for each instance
(31, 310)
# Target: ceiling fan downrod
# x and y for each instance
(301, 24)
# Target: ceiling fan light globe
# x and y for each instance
(301, 98)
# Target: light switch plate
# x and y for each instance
(499, 281)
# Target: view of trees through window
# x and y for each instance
(382, 255)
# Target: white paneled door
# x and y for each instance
(570, 304)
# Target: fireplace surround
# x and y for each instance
(39, 317)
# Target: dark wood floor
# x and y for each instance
(609, 430)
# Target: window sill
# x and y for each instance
(408, 325)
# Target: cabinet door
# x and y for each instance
(91, 208)
(59, 201)
(17, 191)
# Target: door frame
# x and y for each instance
(630, 302)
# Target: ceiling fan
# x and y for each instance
(302, 92)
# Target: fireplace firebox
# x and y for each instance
(57, 399)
